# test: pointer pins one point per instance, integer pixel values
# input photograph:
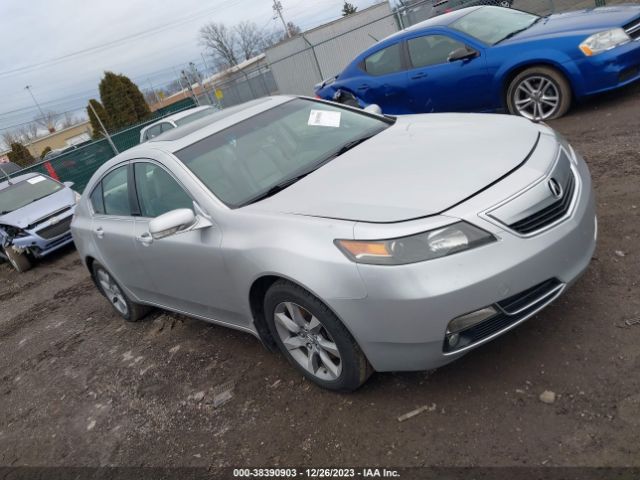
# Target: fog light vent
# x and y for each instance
(470, 319)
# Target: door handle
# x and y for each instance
(145, 239)
(418, 76)
(99, 232)
(364, 86)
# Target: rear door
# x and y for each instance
(436, 85)
(112, 229)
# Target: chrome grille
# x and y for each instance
(550, 214)
(633, 29)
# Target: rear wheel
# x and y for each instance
(20, 261)
(539, 93)
(313, 339)
(129, 310)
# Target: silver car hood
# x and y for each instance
(420, 166)
(33, 212)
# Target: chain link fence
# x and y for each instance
(79, 163)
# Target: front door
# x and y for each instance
(436, 85)
(187, 269)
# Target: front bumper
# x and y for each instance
(47, 237)
(402, 322)
(609, 70)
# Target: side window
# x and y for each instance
(97, 201)
(165, 127)
(154, 131)
(385, 61)
(158, 192)
(115, 192)
(431, 49)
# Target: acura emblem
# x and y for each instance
(555, 187)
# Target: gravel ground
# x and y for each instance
(80, 387)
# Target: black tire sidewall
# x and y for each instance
(130, 305)
(13, 259)
(355, 368)
(551, 74)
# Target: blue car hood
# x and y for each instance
(580, 21)
(33, 212)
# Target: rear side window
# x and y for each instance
(115, 192)
(385, 61)
(158, 192)
(97, 201)
(431, 50)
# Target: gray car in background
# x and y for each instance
(173, 121)
(350, 241)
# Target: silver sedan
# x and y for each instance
(352, 242)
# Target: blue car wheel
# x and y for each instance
(539, 93)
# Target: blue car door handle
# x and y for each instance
(364, 86)
(419, 75)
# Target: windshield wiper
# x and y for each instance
(348, 146)
(520, 30)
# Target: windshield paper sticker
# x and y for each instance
(324, 118)
(35, 180)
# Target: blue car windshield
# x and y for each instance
(491, 25)
(16, 196)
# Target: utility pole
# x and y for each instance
(277, 8)
(158, 100)
(28, 89)
(104, 130)
(198, 77)
(185, 77)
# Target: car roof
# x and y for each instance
(442, 20)
(20, 178)
(179, 115)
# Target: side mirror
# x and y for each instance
(68, 184)
(463, 53)
(373, 108)
(171, 223)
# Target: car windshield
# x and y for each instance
(493, 24)
(195, 116)
(271, 150)
(25, 192)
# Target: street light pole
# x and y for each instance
(277, 8)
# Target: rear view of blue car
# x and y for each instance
(35, 218)
(491, 59)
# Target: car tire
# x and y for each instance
(527, 91)
(20, 261)
(119, 300)
(323, 344)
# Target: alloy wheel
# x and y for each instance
(308, 341)
(537, 98)
(112, 292)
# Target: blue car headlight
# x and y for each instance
(416, 248)
(603, 41)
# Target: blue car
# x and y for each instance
(35, 218)
(484, 59)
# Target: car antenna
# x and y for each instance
(6, 175)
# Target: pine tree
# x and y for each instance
(46, 150)
(95, 124)
(122, 100)
(20, 155)
(348, 9)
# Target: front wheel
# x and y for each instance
(539, 93)
(313, 339)
(20, 261)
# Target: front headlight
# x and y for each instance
(603, 41)
(416, 248)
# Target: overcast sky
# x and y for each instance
(36, 33)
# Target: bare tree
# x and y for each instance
(221, 41)
(69, 120)
(251, 40)
(49, 121)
